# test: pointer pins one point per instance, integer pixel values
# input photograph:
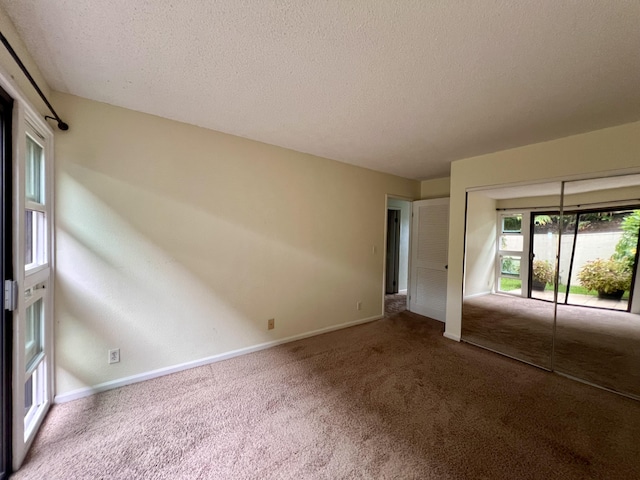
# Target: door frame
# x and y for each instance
(409, 200)
(24, 116)
(6, 273)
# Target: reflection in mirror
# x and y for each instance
(544, 243)
(510, 250)
(598, 322)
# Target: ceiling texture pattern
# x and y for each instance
(399, 86)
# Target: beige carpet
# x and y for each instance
(519, 327)
(599, 346)
(394, 304)
(388, 399)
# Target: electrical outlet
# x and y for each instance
(358, 305)
(114, 355)
(271, 324)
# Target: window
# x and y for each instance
(35, 239)
(34, 313)
(509, 258)
(33, 332)
(32, 254)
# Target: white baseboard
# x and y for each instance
(451, 336)
(402, 292)
(141, 377)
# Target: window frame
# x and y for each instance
(523, 254)
(26, 120)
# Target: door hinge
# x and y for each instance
(10, 295)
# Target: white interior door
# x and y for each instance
(429, 250)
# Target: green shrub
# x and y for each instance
(626, 247)
(543, 271)
(605, 276)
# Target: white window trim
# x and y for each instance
(25, 118)
(524, 255)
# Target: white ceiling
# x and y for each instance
(398, 86)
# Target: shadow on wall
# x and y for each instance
(169, 282)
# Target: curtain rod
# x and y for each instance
(61, 124)
(614, 203)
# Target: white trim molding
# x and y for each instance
(141, 377)
(27, 119)
(451, 336)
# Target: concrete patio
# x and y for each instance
(578, 299)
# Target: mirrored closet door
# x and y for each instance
(550, 277)
(511, 246)
(597, 322)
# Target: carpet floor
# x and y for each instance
(388, 399)
(599, 346)
(394, 304)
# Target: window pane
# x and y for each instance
(35, 232)
(28, 394)
(33, 332)
(34, 395)
(512, 224)
(510, 266)
(513, 243)
(28, 237)
(34, 172)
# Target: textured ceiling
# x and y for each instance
(398, 86)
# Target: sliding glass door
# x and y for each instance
(597, 260)
(545, 228)
(26, 261)
(6, 268)
(603, 259)
(33, 339)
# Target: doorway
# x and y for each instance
(393, 251)
(26, 327)
(398, 227)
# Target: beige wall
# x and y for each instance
(11, 67)
(176, 243)
(603, 152)
(481, 244)
(435, 188)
